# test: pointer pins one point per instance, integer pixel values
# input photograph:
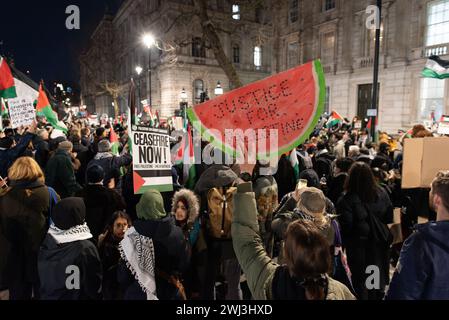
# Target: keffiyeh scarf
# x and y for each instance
(80, 232)
(138, 253)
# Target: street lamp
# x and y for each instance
(139, 70)
(218, 89)
(148, 41)
(184, 105)
(183, 95)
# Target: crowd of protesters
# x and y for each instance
(69, 216)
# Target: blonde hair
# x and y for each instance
(26, 169)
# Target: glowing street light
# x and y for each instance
(139, 70)
(148, 40)
(218, 89)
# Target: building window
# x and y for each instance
(328, 5)
(198, 49)
(327, 99)
(292, 54)
(236, 54)
(437, 23)
(327, 48)
(293, 11)
(198, 89)
(432, 98)
(258, 57)
(371, 41)
(235, 12)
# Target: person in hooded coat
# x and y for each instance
(185, 211)
(153, 253)
(68, 252)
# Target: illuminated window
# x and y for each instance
(437, 23)
(235, 12)
(258, 57)
(432, 98)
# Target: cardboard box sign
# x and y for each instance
(423, 158)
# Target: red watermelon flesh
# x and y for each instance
(291, 102)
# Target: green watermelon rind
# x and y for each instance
(320, 82)
(320, 99)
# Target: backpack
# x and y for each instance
(220, 212)
(305, 160)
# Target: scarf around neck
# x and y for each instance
(137, 252)
(77, 233)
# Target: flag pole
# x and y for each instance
(375, 96)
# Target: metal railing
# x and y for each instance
(436, 50)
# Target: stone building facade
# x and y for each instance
(286, 33)
(179, 60)
(336, 32)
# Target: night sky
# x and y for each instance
(34, 34)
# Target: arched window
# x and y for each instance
(258, 57)
(198, 89)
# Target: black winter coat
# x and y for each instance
(110, 258)
(53, 262)
(171, 254)
(23, 227)
(362, 250)
(42, 152)
(100, 203)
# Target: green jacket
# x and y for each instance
(254, 261)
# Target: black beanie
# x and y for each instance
(68, 213)
(95, 174)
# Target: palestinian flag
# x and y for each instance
(334, 119)
(436, 68)
(3, 108)
(113, 139)
(43, 107)
(115, 145)
(7, 85)
(295, 164)
(189, 172)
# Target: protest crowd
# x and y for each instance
(310, 231)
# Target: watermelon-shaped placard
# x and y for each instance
(291, 102)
